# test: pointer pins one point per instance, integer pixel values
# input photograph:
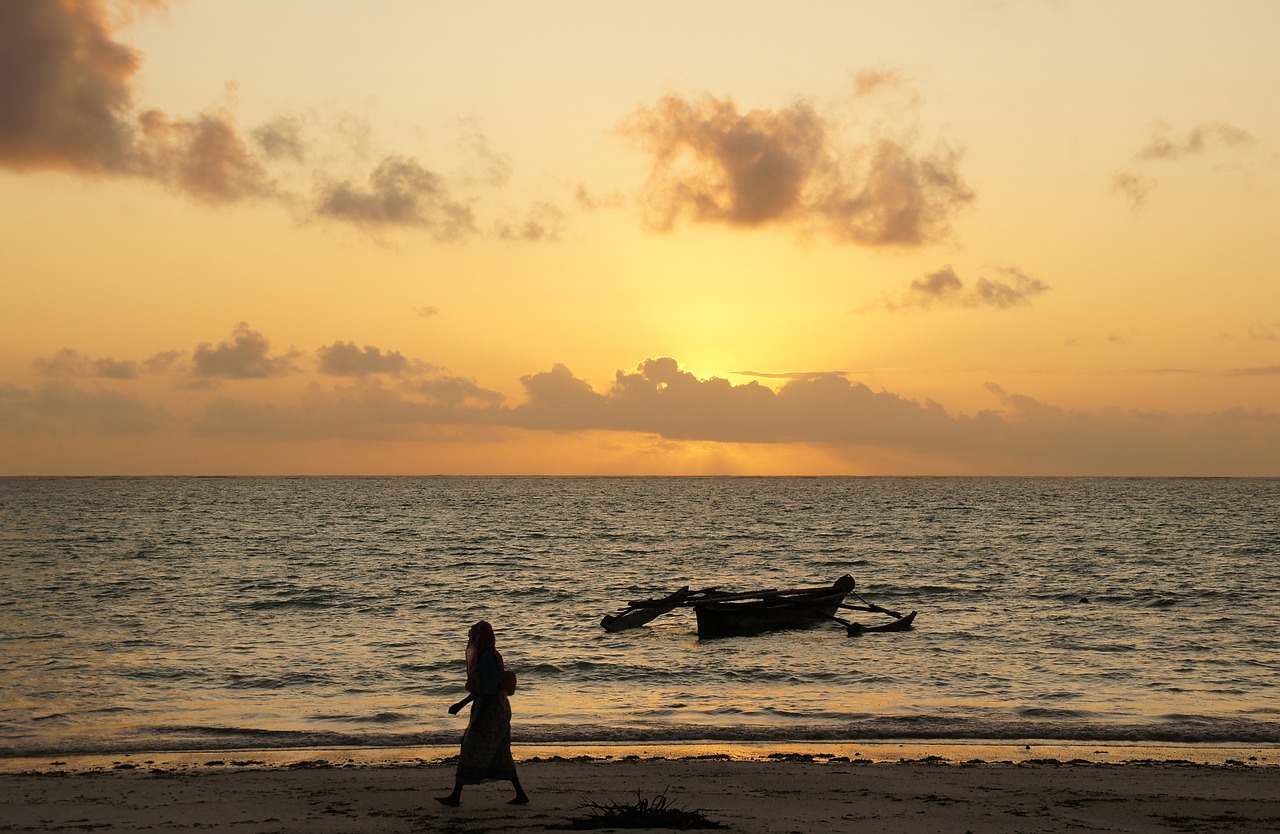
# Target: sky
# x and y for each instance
(964, 237)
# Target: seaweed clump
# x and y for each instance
(643, 813)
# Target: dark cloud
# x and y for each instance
(244, 357)
(428, 311)
(559, 400)
(366, 414)
(589, 200)
(70, 362)
(164, 361)
(1134, 187)
(346, 359)
(1023, 436)
(65, 99)
(400, 192)
(205, 157)
(67, 103)
(870, 82)
(712, 163)
(63, 409)
(455, 392)
(367, 411)
(543, 221)
(658, 399)
(1265, 332)
(282, 138)
(1016, 290)
(1268, 370)
(1165, 143)
(943, 288)
(495, 168)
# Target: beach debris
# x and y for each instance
(657, 812)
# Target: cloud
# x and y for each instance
(543, 221)
(244, 357)
(1016, 292)
(659, 400)
(589, 200)
(1265, 332)
(367, 411)
(204, 157)
(63, 409)
(428, 311)
(345, 359)
(943, 288)
(1023, 436)
(400, 192)
(1268, 370)
(711, 163)
(791, 374)
(871, 82)
(163, 361)
(495, 168)
(455, 392)
(66, 96)
(67, 103)
(70, 362)
(1134, 187)
(282, 138)
(1165, 143)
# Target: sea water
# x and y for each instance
(223, 613)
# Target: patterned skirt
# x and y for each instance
(486, 745)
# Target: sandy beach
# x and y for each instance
(779, 792)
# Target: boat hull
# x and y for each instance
(903, 623)
(733, 619)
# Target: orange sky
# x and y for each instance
(668, 238)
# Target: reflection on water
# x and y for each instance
(169, 613)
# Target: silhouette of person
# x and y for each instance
(486, 744)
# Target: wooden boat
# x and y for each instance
(773, 612)
(724, 614)
(638, 616)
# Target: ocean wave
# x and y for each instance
(1049, 712)
(303, 602)
(376, 718)
(292, 679)
(1181, 730)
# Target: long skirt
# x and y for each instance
(486, 745)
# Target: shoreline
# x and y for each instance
(323, 792)
(942, 751)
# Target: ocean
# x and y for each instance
(167, 614)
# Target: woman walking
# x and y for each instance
(486, 745)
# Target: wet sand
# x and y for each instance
(782, 791)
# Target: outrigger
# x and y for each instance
(725, 613)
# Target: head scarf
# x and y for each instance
(480, 639)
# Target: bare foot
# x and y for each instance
(451, 801)
(522, 799)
